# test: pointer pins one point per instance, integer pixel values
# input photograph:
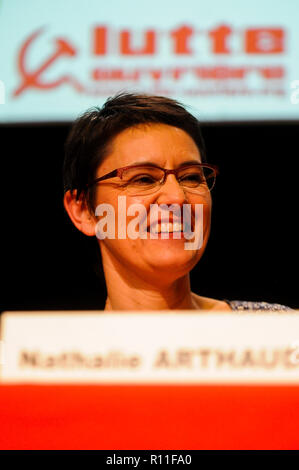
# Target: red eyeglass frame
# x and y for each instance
(119, 171)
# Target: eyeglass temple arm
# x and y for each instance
(102, 178)
(214, 167)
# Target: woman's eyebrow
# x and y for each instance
(189, 162)
(148, 163)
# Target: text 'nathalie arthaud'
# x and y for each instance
(203, 358)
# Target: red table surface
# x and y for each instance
(153, 417)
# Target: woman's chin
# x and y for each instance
(167, 257)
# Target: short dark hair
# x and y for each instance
(91, 133)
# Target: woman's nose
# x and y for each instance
(171, 192)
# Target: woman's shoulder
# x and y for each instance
(206, 303)
(241, 305)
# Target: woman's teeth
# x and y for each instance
(167, 228)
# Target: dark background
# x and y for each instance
(252, 251)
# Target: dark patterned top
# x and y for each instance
(256, 306)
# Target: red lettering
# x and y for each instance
(177, 73)
(272, 72)
(219, 37)
(100, 40)
(264, 41)
(220, 72)
(181, 38)
(155, 74)
(148, 48)
(238, 72)
(115, 74)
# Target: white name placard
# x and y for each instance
(169, 347)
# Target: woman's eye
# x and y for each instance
(142, 180)
(192, 178)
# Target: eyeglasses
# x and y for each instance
(146, 179)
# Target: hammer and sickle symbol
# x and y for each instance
(32, 79)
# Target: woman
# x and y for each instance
(144, 152)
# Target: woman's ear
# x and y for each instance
(79, 213)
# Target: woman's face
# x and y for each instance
(154, 260)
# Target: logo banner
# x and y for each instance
(228, 61)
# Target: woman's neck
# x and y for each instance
(126, 291)
(129, 291)
(175, 297)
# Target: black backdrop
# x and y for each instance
(252, 251)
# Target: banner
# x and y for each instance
(228, 61)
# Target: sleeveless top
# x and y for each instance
(239, 305)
